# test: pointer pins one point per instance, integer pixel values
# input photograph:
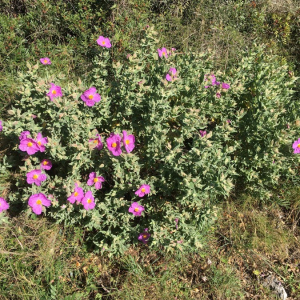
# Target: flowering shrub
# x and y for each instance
(181, 153)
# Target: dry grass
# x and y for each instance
(40, 260)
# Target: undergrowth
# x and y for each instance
(40, 260)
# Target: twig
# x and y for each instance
(105, 289)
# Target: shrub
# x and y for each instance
(269, 125)
(191, 136)
(169, 154)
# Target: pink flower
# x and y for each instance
(41, 142)
(128, 141)
(1, 127)
(45, 61)
(296, 146)
(37, 201)
(103, 42)
(90, 96)
(173, 71)
(225, 86)
(143, 190)
(93, 179)
(36, 176)
(46, 164)
(218, 95)
(212, 79)
(77, 195)
(228, 121)
(97, 142)
(202, 133)
(168, 77)
(172, 74)
(162, 52)
(113, 143)
(144, 236)
(24, 135)
(136, 209)
(29, 145)
(55, 91)
(88, 201)
(3, 205)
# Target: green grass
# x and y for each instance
(41, 260)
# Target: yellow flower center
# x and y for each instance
(89, 201)
(75, 194)
(164, 53)
(45, 61)
(103, 42)
(95, 142)
(35, 176)
(298, 145)
(38, 202)
(114, 145)
(145, 236)
(95, 179)
(127, 142)
(45, 163)
(90, 97)
(54, 92)
(0, 204)
(39, 143)
(136, 209)
(143, 190)
(29, 144)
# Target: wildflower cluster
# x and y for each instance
(145, 148)
(30, 145)
(86, 199)
(114, 143)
